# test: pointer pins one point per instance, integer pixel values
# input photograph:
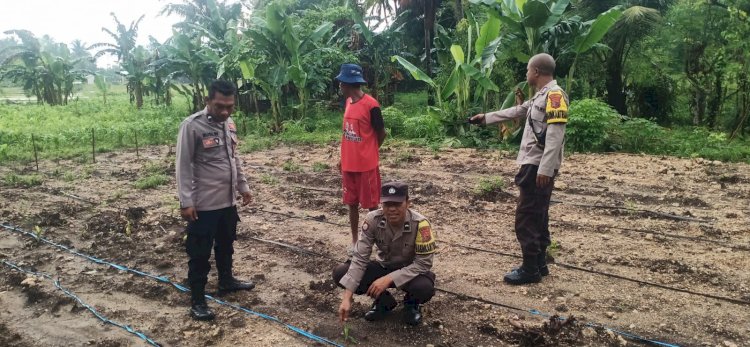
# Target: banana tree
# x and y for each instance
(591, 36)
(184, 56)
(278, 48)
(527, 21)
(270, 79)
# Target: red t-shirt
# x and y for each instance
(359, 142)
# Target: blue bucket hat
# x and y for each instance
(351, 74)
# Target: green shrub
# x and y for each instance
(639, 135)
(425, 126)
(590, 124)
(394, 120)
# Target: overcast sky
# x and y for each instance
(66, 21)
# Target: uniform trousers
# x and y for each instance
(532, 211)
(215, 229)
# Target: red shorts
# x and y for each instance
(362, 188)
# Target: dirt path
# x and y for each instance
(141, 228)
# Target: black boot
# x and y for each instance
(382, 305)
(201, 312)
(541, 262)
(232, 284)
(412, 312)
(527, 273)
(199, 309)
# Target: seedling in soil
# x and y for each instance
(553, 249)
(630, 205)
(128, 229)
(348, 338)
(38, 233)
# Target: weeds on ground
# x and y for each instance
(22, 181)
(291, 166)
(320, 167)
(269, 180)
(152, 181)
(489, 185)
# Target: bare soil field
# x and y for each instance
(657, 247)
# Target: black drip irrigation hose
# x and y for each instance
(478, 299)
(568, 266)
(165, 280)
(80, 301)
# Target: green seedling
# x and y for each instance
(128, 229)
(348, 338)
(38, 233)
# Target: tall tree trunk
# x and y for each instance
(429, 26)
(614, 81)
(138, 90)
(459, 10)
(698, 105)
(714, 105)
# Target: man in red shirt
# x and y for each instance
(363, 134)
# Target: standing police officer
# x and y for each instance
(209, 175)
(540, 157)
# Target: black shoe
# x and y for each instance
(522, 276)
(543, 270)
(201, 312)
(234, 285)
(384, 304)
(412, 314)
(542, 262)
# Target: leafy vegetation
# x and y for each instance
(662, 77)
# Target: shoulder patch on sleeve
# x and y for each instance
(425, 242)
(557, 107)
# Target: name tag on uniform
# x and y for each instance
(211, 142)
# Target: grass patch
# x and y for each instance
(156, 167)
(269, 180)
(489, 189)
(22, 181)
(320, 167)
(291, 166)
(152, 181)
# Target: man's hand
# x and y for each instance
(189, 214)
(542, 180)
(346, 306)
(379, 286)
(246, 198)
(477, 119)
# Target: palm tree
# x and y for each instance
(638, 19)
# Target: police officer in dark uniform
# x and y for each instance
(209, 177)
(540, 156)
(405, 250)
